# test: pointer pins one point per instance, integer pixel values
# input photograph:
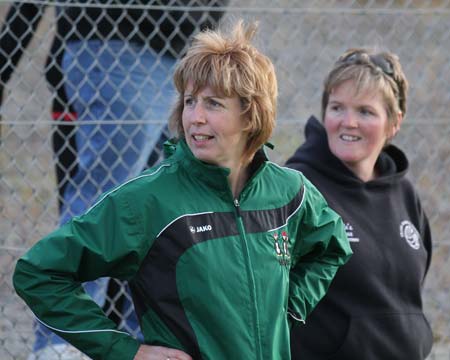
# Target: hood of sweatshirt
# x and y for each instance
(315, 154)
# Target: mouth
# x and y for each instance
(201, 137)
(349, 138)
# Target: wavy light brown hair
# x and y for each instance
(371, 71)
(231, 65)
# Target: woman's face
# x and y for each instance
(213, 127)
(357, 127)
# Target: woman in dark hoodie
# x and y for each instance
(373, 309)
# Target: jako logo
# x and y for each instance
(198, 229)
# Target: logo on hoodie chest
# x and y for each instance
(409, 232)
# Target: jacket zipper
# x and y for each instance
(250, 279)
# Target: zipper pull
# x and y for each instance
(237, 206)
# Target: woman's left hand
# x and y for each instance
(147, 352)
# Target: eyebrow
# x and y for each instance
(206, 96)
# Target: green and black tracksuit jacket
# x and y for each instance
(214, 276)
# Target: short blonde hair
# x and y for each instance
(231, 65)
(371, 71)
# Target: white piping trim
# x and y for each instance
(125, 183)
(295, 317)
(179, 217)
(79, 331)
(293, 213)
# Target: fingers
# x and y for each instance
(174, 354)
(147, 352)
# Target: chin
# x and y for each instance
(206, 159)
(345, 155)
(348, 159)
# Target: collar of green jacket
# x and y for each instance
(214, 175)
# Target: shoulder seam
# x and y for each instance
(286, 168)
(125, 183)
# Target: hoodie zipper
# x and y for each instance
(250, 278)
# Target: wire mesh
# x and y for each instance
(303, 38)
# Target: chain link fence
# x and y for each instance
(302, 37)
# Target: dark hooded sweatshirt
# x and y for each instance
(373, 309)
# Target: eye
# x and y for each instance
(366, 111)
(335, 107)
(189, 101)
(214, 103)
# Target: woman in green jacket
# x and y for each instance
(222, 248)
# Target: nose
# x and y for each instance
(199, 113)
(349, 119)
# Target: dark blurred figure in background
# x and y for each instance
(17, 31)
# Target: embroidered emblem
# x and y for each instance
(350, 235)
(410, 234)
(277, 245)
(281, 246)
(192, 229)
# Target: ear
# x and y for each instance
(394, 130)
